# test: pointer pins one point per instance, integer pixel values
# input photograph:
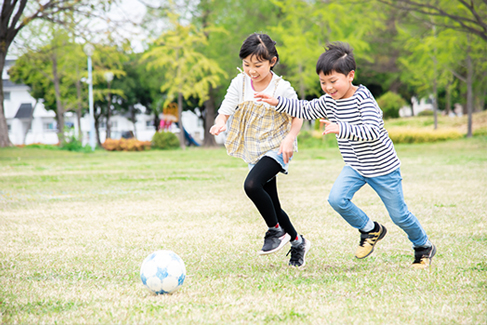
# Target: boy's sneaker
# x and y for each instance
(298, 253)
(369, 239)
(423, 256)
(274, 240)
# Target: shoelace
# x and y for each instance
(296, 253)
(364, 237)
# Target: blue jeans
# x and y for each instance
(389, 189)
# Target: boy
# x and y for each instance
(370, 158)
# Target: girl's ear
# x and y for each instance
(273, 61)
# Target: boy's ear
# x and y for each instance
(351, 75)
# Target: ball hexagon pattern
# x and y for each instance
(163, 272)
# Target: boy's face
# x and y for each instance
(338, 85)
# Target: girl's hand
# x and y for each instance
(261, 97)
(330, 127)
(287, 148)
(218, 128)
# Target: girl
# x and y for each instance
(264, 139)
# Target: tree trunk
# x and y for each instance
(59, 105)
(80, 107)
(180, 121)
(134, 119)
(4, 139)
(448, 99)
(209, 120)
(469, 93)
(109, 113)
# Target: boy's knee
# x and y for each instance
(337, 202)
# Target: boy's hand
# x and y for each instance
(330, 127)
(266, 98)
(218, 128)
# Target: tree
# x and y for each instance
(190, 72)
(16, 14)
(46, 71)
(468, 16)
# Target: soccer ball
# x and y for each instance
(163, 272)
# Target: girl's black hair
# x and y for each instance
(337, 57)
(261, 46)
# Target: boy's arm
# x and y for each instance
(368, 129)
(308, 110)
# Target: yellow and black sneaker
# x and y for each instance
(423, 256)
(369, 239)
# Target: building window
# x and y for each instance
(9, 127)
(49, 126)
(6, 95)
(113, 124)
(103, 125)
(149, 124)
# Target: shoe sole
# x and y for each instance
(284, 241)
(307, 246)
(382, 235)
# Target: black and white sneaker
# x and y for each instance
(298, 253)
(274, 240)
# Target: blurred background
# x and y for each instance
(165, 65)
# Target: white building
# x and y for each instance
(29, 122)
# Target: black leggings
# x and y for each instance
(261, 187)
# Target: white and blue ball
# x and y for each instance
(163, 272)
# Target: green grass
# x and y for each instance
(75, 228)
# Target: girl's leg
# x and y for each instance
(271, 188)
(266, 169)
(341, 194)
(389, 189)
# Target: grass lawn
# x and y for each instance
(75, 228)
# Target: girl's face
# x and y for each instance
(338, 85)
(258, 69)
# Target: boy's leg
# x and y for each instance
(341, 194)
(389, 189)
(266, 169)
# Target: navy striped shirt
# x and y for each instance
(364, 143)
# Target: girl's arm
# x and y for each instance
(220, 124)
(287, 145)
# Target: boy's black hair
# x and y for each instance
(337, 57)
(261, 46)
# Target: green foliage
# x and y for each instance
(165, 140)
(390, 104)
(70, 143)
(426, 112)
(314, 139)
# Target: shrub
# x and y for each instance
(126, 145)
(426, 112)
(315, 139)
(411, 135)
(165, 140)
(72, 144)
(390, 104)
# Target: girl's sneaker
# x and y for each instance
(423, 256)
(274, 240)
(298, 254)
